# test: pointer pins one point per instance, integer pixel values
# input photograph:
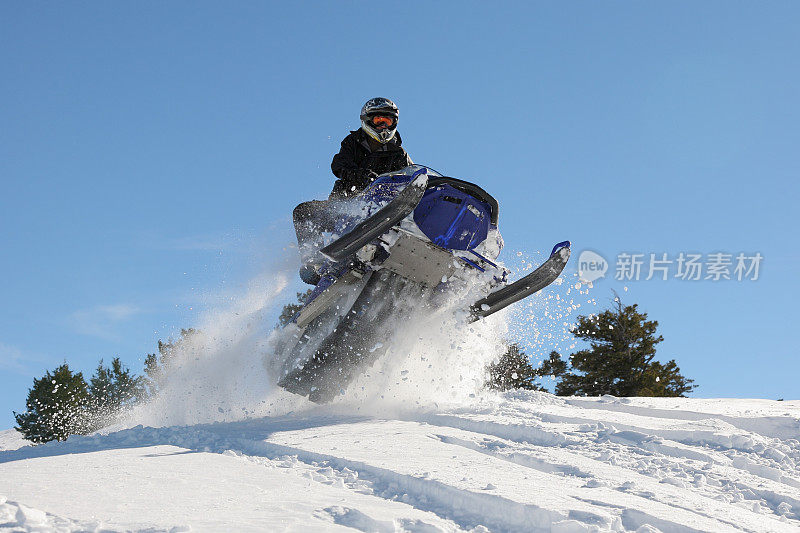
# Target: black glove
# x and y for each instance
(365, 177)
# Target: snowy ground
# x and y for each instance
(414, 445)
(512, 462)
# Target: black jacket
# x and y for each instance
(358, 161)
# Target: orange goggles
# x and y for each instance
(382, 122)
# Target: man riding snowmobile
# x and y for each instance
(396, 243)
(412, 247)
(365, 153)
(373, 149)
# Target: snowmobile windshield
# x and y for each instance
(472, 190)
(387, 185)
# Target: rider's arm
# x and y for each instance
(345, 167)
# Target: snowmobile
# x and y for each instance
(408, 241)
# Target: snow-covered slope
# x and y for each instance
(511, 462)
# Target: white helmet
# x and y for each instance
(379, 119)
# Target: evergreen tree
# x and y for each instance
(554, 367)
(619, 360)
(57, 406)
(152, 373)
(100, 385)
(114, 388)
(664, 380)
(291, 309)
(157, 365)
(512, 371)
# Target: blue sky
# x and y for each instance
(151, 153)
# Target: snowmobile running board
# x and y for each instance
(373, 227)
(530, 284)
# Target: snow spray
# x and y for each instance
(433, 360)
(216, 373)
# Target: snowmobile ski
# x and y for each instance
(373, 227)
(530, 284)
